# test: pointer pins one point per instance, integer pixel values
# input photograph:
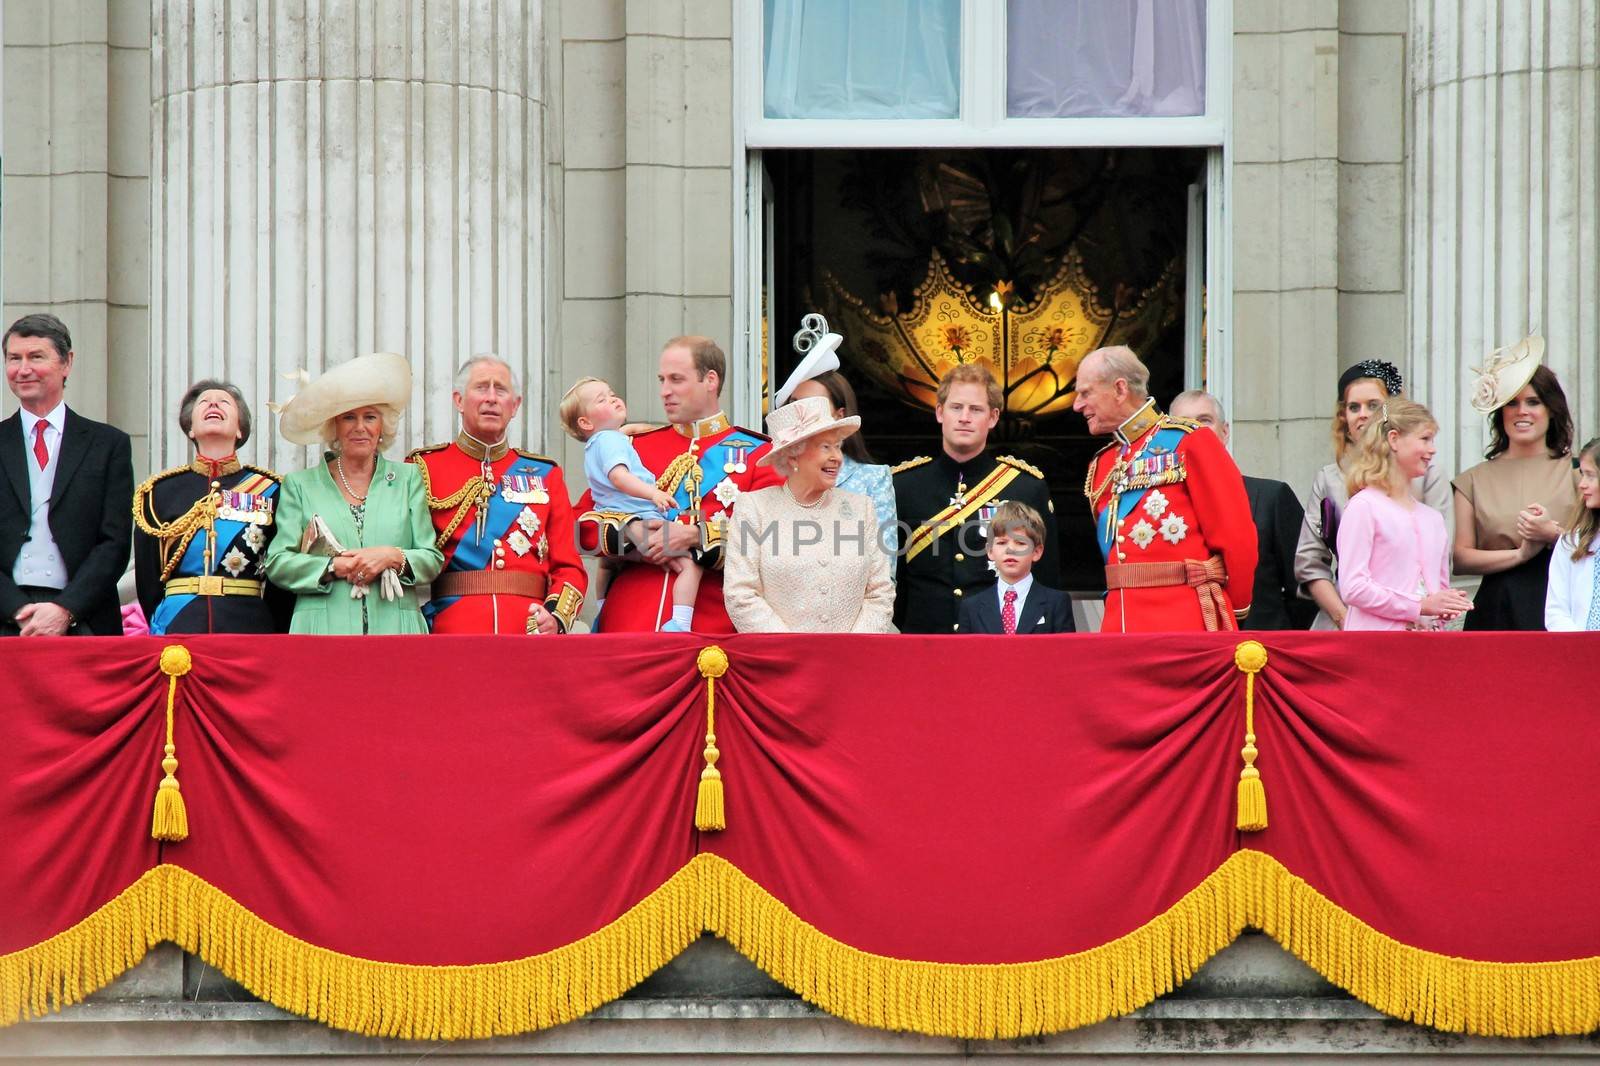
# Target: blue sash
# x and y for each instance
(712, 461)
(479, 555)
(228, 531)
(1161, 441)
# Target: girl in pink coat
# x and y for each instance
(1394, 554)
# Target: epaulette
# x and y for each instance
(752, 433)
(1025, 467)
(426, 448)
(1188, 425)
(911, 464)
(535, 455)
(263, 471)
(1106, 447)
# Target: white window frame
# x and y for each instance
(983, 123)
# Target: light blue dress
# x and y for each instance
(875, 483)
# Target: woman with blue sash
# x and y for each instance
(202, 529)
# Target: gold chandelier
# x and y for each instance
(1032, 348)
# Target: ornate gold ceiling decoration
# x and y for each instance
(1033, 348)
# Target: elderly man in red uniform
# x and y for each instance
(1169, 506)
(503, 516)
(704, 462)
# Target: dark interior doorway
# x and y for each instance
(1025, 258)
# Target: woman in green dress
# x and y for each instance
(354, 534)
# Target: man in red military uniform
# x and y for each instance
(1169, 505)
(503, 517)
(704, 462)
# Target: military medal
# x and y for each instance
(246, 507)
(528, 521)
(985, 516)
(519, 542)
(543, 549)
(960, 498)
(737, 457)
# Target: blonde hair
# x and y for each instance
(1014, 516)
(1587, 524)
(971, 374)
(571, 408)
(389, 427)
(1374, 465)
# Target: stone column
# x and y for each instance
(1505, 193)
(335, 177)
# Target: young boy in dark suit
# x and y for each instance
(1017, 603)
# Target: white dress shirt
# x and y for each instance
(39, 563)
(1570, 595)
(1022, 588)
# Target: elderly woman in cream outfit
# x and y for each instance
(807, 556)
(364, 580)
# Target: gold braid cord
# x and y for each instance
(174, 536)
(474, 492)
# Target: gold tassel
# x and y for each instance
(1250, 657)
(170, 820)
(709, 815)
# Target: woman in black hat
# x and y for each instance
(1362, 390)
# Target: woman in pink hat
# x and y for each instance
(807, 556)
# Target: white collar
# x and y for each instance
(56, 418)
(1022, 588)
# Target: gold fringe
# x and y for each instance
(1250, 657)
(170, 819)
(975, 1001)
(709, 815)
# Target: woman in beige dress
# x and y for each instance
(1511, 508)
(806, 556)
(1362, 390)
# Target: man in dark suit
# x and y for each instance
(1016, 603)
(1277, 514)
(66, 491)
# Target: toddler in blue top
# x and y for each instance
(620, 484)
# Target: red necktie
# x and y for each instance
(40, 452)
(1008, 613)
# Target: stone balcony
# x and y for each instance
(1251, 1001)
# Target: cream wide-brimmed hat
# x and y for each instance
(796, 422)
(820, 353)
(381, 379)
(1505, 373)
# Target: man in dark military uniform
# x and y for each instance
(944, 504)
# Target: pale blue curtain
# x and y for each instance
(1098, 58)
(863, 58)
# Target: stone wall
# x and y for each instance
(77, 193)
(1318, 217)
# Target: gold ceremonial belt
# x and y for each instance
(214, 586)
(489, 583)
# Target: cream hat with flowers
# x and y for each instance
(794, 423)
(1505, 373)
(381, 379)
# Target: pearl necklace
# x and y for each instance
(338, 463)
(818, 502)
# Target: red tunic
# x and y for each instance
(640, 597)
(530, 536)
(1199, 511)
